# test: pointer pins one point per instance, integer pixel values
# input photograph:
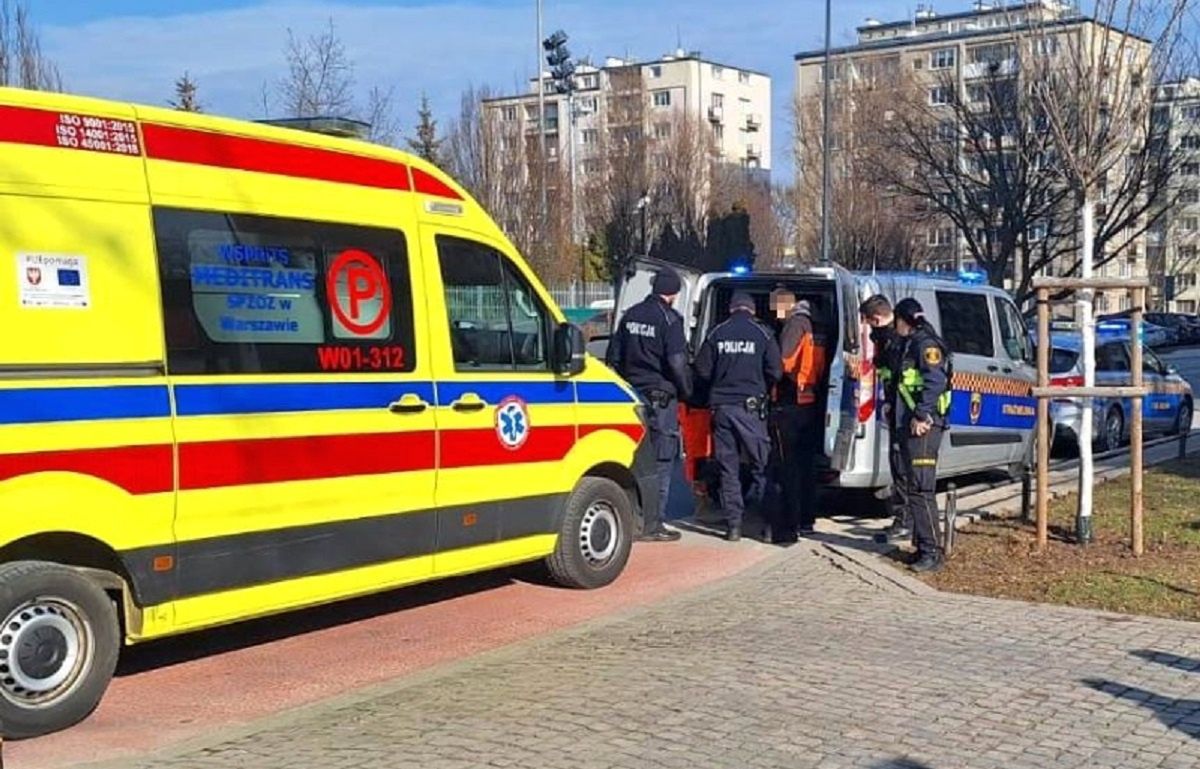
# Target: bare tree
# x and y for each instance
(471, 145)
(185, 95)
(380, 114)
(22, 62)
(874, 224)
(320, 78)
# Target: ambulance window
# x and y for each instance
(966, 323)
(251, 294)
(496, 321)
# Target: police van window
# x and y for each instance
(1013, 334)
(252, 294)
(495, 320)
(966, 323)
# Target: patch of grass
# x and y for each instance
(999, 558)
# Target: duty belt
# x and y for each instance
(659, 399)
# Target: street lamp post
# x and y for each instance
(541, 114)
(825, 182)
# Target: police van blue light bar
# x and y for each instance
(972, 277)
(740, 269)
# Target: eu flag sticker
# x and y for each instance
(69, 278)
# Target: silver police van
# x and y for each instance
(992, 413)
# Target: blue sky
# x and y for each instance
(134, 49)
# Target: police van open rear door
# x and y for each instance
(635, 286)
(844, 402)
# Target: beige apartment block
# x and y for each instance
(730, 105)
(1173, 247)
(958, 48)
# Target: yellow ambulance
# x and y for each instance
(247, 369)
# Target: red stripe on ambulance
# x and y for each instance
(185, 145)
(216, 464)
(69, 130)
(136, 469)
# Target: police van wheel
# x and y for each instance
(58, 647)
(596, 535)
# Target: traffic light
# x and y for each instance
(562, 69)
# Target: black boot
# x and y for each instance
(733, 533)
(928, 563)
(661, 534)
(897, 531)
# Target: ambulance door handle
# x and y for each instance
(469, 402)
(408, 404)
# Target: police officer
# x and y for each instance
(923, 401)
(648, 350)
(876, 312)
(740, 362)
(796, 416)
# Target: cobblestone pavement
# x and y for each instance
(813, 659)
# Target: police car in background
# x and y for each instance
(992, 413)
(1168, 409)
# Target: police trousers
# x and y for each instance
(736, 429)
(920, 454)
(898, 503)
(663, 433)
(797, 436)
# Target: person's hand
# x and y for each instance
(921, 427)
(886, 412)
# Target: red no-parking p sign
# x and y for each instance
(358, 292)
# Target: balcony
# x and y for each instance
(716, 114)
(753, 152)
(998, 68)
(753, 122)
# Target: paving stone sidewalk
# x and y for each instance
(814, 659)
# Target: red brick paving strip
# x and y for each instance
(182, 700)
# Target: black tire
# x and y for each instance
(596, 535)
(1111, 437)
(58, 624)
(1183, 421)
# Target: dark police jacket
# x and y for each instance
(740, 359)
(648, 349)
(923, 386)
(889, 347)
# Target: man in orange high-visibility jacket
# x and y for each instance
(796, 417)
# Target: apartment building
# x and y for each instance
(731, 104)
(1173, 246)
(942, 51)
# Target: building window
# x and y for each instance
(656, 71)
(1046, 46)
(1192, 113)
(1185, 281)
(941, 59)
(946, 131)
(588, 81)
(662, 130)
(510, 114)
(1189, 223)
(591, 166)
(941, 236)
(718, 72)
(744, 78)
(1190, 142)
(1126, 303)
(589, 135)
(1037, 232)
(1188, 253)
(718, 100)
(719, 132)
(1188, 197)
(1188, 306)
(662, 98)
(940, 95)
(588, 105)
(991, 54)
(1190, 169)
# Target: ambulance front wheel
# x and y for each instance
(58, 647)
(595, 536)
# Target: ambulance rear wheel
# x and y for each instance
(58, 647)
(595, 537)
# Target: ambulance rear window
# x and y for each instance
(249, 294)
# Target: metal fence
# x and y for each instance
(581, 294)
